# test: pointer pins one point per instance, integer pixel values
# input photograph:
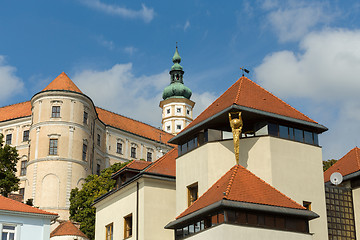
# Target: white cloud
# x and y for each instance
(117, 89)
(130, 50)
(326, 71)
(293, 20)
(187, 25)
(106, 43)
(9, 82)
(145, 13)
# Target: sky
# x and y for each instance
(119, 54)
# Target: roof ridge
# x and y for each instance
(281, 100)
(228, 188)
(131, 119)
(159, 160)
(14, 104)
(204, 193)
(274, 189)
(238, 93)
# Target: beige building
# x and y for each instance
(276, 191)
(343, 197)
(62, 137)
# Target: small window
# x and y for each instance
(307, 205)
(128, 226)
(119, 148)
(98, 139)
(188, 112)
(22, 192)
(55, 113)
(53, 147)
(23, 168)
(8, 139)
(25, 135)
(8, 232)
(168, 111)
(133, 152)
(178, 127)
(98, 169)
(178, 110)
(84, 152)
(192, 193)
(149, 156)
(109, 232)
(85, 120)
(168, 128)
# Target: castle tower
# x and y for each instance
(176, 106)
(61, 148)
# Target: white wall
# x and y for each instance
(356, 204)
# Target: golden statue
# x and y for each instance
(236, 125)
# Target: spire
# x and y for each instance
(176, 89)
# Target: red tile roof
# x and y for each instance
(15, 111)
(135, 164)
(247, 93)
(8, 204)
(62, 82)
(67, 229)
(165, 165)
(239, 184)
(349, 163)
(132, 126)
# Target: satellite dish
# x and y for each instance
(336, 178)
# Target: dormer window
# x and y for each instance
(55, 113)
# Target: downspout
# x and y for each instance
(137, 210)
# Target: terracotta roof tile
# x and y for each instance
(15, 111)
(134, 164)
(67, 229)
(15, 206)
(346, 165)
(133, 126)
(62, 82)
(165, 165)
(247, 93)
(239, 184)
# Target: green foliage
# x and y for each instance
(80, 200)
(8, 160)
(327, 164)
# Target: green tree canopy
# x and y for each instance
(8, 160)
(327, 164)
(80, 200)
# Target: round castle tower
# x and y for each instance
(177, 108)
(61, 141)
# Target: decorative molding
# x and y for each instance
(35, 161)
(54, 135)
(55, 102)
(71, 128)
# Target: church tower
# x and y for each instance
(176, 104)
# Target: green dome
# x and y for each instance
(176, 58)
(176, 66)
(177, 90)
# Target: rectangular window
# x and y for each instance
(23, 168)
(53, 147)
(84, 152)
(109, 232)
(149, 156)
(133, 152)
(307, 205)
(192, 193)
(308, 137)
(128, 226)
(168, 128)
(98, 169)
(25, 135)
(273, 129)
(8, 232)
(55, 113)
(178, 110)
(178, 127)
(98, 139)
(119, 148)
(85, 120)
(168, 111)
(283, 132)
(299, 135)
(8, 139)
(22, 192)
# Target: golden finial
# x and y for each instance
(236, 125)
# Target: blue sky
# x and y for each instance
(119, 53)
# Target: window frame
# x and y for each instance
(133, 152)
(109, 231)
(26, 135)
(53, 146)
(55, 111)
(8, 139)
(98, 139)
(119, 147)
(84, 151)
(128, 226)
(149, 156)
(190, 190)
(23, 168)
(8, 231)
(85, 118)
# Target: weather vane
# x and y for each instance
(244, 70)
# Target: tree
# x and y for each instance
(8, 160)
(327, 164)
(80, 200)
